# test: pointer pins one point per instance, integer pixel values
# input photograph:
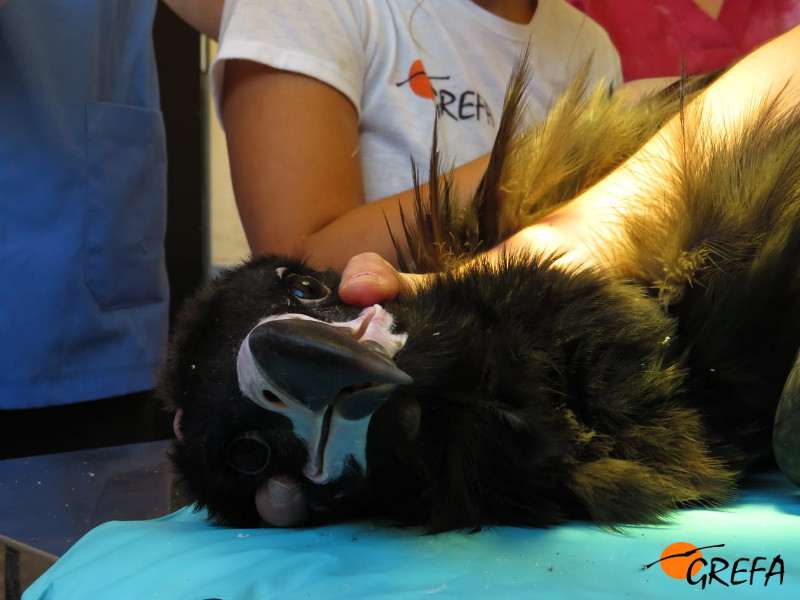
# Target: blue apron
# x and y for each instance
(83, 288)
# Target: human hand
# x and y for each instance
(281, 503)
(369, 279)
(550, 236)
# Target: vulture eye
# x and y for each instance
(247, 453)
(306, 289)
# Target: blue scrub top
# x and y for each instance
(83, 288)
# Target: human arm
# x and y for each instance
(573, 229)
(293, 143)
(592, 223)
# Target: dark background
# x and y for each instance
(182, 100)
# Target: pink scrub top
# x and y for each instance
(654, 37)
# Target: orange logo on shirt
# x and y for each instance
(458, 105)
(419, 82)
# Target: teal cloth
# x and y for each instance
(180, 556)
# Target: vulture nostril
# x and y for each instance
(272, 399)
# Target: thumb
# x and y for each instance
(369, 279)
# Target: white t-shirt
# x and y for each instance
(402, 62)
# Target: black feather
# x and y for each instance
(539, 393)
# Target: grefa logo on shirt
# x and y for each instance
(467, 105)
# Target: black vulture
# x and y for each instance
(522, 393)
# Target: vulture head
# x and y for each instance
(271, 375)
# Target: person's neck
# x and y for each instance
(516, 11)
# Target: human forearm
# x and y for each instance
(588, 229)
(366, 228)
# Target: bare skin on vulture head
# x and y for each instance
(369, 278)
(327, 378)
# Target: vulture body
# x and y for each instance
(523, 393)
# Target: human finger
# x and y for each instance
(281, 502)
(369, 279)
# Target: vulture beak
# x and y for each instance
(327, 378)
